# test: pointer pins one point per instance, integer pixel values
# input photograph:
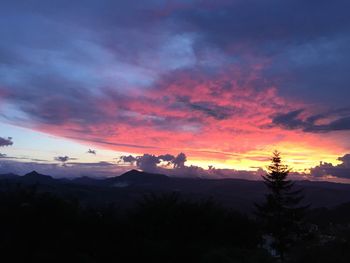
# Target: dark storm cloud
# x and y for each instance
(255, 22)
(315, 72)
(268, 25)
(337, 120)
(289, 120)
(6, 141)
(307, 43)
(281, 30)
(179, 160)
(147, 162)
(345, 160)
(341, 170)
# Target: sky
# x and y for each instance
(85, 84)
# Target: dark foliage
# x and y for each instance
(39, 227)
(329, 238)
(281, 213)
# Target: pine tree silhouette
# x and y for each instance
(281, 213)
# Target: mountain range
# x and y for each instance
(130, 187)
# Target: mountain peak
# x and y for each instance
(32, 173)
(36, 175)
(133, 177)
(133, 174)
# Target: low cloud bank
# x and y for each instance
(175, 166)
(171, 165)
(341, 170)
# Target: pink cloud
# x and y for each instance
(199, 113)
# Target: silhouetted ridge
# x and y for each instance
(133, 177)
(8, 176)
(85, 180)
(235, 193)
(35, 177)
(35, 174)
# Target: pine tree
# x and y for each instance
(281, 213)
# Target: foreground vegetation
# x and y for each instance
(40, 227)
(43, 228)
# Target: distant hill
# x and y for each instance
(129, 187)
(35, 177)
(8, 176)
(135, 177)
(85, 180)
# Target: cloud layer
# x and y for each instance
(338, 120)
(214, 80)
(5, 141)
(341, 170)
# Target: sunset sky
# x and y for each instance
(85, 83)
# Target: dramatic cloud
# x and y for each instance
(179, 160)
(341, 170)
(149, 162)
(220, 80)
(5, 141)
(331, 121)
(345, 161)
